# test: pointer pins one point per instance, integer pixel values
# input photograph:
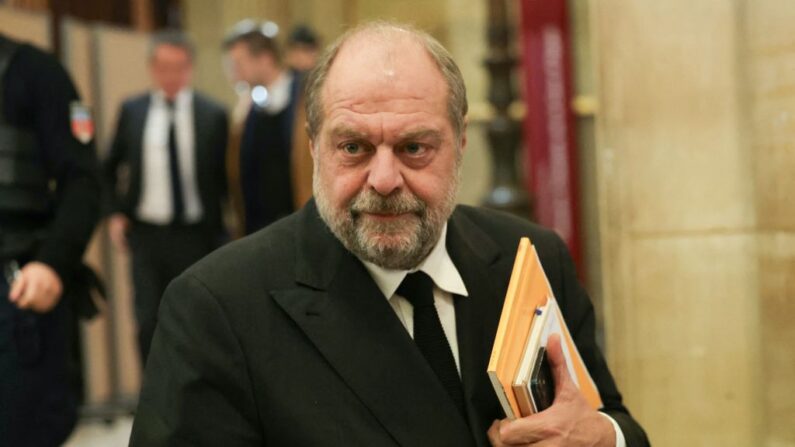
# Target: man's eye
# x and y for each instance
(413, 148)
(352, 148)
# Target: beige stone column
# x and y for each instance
(769, 55)
(677, 218)
(694, 161)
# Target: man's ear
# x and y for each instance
(464, 135)
(312, 149)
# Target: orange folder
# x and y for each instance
(528, 289)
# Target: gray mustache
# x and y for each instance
(401, 203)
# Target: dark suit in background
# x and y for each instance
(266, 148)
(161, 252)
(284, 338)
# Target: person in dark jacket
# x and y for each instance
(49, 205)
(166, 172)
(271, 161)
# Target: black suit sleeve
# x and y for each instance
(223, 143)
(110, 166)
(578, 311)
(196, 389)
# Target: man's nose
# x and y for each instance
(385, 176)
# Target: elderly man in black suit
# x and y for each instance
(367, 318)
(166, 172)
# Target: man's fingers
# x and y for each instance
(118, 224)
(557, 361)
(494, 434)
(17, 288)
(119, 239)
(525, 430)
(26, 300)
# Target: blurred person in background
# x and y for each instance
(166, 172)
(49, 205)
(303, 48)
(274, 166)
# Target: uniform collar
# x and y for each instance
(182, 98)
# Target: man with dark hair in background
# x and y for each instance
(49, 205)
(166, 172)
(368, 317)
(303, 48)
(275, 174)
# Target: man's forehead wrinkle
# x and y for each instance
(369, 105)
(345, 130)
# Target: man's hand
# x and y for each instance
(118, 225)
(570, 421)
(37, 288)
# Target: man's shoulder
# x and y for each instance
(136, 100)
(38, 68)
(262, 260)
(203, 100)
(498, 223)
(31, 55)
(505, 230)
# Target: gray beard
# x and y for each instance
(401, 244)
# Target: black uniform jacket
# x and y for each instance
(283, 339)
(37, 94)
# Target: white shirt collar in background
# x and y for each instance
(278, 94)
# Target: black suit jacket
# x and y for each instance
(123, 166)
(283, 338)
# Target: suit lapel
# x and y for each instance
(476, 257)
(340, 309)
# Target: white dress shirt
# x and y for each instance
(155, 205)
(447, 282)
(279, 93)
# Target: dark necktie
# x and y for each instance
(173, 167)
(429, 336)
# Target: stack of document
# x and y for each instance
(530, 315)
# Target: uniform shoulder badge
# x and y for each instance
(82, 121)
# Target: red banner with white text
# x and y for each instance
(549, 121)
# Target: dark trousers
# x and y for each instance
(160, 254)
(38, 407)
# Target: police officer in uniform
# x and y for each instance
(49, 204)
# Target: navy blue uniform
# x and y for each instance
(37, 405)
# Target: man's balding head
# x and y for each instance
(382, 39)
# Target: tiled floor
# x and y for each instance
(100, 434)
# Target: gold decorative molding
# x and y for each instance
(585, 105)
(480, 112)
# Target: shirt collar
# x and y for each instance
(437, 265)
(183, 96)
(279, 93)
